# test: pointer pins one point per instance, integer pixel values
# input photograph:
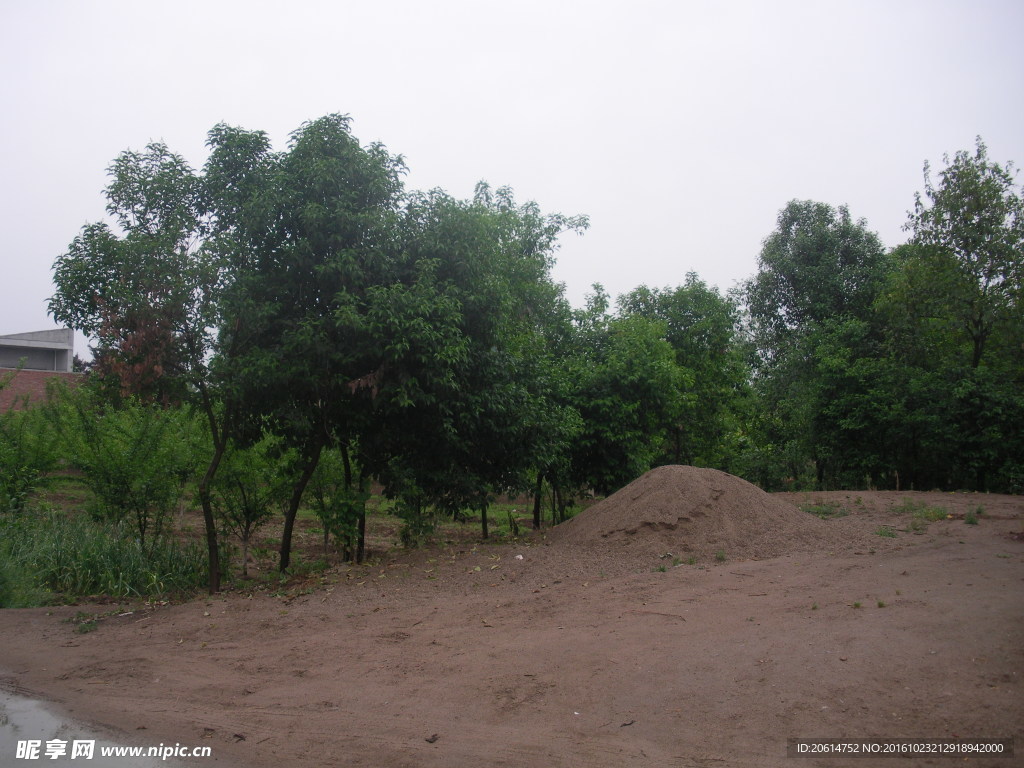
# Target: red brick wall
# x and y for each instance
(30, 384)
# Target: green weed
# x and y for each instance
(826, 510)
(76, 557)
(921, 511)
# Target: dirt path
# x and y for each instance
(568, 657)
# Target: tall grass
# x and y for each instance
(77, 557)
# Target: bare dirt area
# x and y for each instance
(689, 620)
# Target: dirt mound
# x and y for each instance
(694, 512)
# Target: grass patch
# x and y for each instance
(825, 510)
(886, 531)
(48, 555)
(720, 556)
(921, 511)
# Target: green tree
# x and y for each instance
(148, 291)
(471, 411)
(953, 318)
(323, 236)
(818, 271)
(247, 491)
(703, 328)
(141, 290)
(339, 503)
(629, 392)
(970, 240)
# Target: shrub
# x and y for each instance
(136, 459)
(336, 502)
(28, 451)
(246, 492)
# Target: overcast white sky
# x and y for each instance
(681, 128)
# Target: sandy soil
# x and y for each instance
(578, 654)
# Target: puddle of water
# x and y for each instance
(24, 719)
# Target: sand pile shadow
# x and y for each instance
(694, 512)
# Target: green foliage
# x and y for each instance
(921, 510)
(819, 264)
(826, 510)
(810, 307)
(248, 490)
(971, 231)
(77, 557)
(629, 391)
(28, 452)
(703, 328)
(337, 504)
(901, 370)
(135, 459)
(954, 316)
(419, 521)
(143, 289)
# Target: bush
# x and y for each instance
(246, 492)
(337, 504)
(28, 451)
(136, 459)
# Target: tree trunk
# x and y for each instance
(219, 445)
(483, 519)
(537, 491)
(347, 462)
(361, 522)
(312, 459)
(361, 537)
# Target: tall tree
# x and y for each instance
(818, 268)
(954, 325)
(703, 328)
(476, 427)
(141, 289)
(969, 229)
(628, 390)
(324, 237)
(148, 289)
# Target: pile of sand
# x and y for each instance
(694, 512)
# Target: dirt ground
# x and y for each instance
(577, 654)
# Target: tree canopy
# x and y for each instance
(307, 304)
